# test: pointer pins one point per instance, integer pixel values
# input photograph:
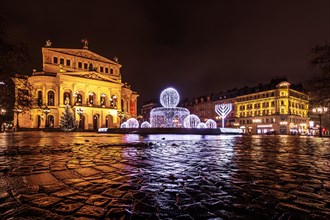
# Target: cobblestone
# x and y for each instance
(101, 176)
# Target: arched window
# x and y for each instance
(50, 119)
(113, 101)
(51, 98)
(79, 99)
(102, 99)
(66, 98)
(90, 98)
(39, 101)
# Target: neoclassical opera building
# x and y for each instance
(91, 84)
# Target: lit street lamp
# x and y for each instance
(17, 111)
(46, 110)
(320, 111)
(2, 112)
(120, 115)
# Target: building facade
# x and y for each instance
(89, 83)
(274, 108)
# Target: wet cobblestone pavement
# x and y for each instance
(100, 176)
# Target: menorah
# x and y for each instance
(223, 110)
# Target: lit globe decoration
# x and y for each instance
(211, 124)
(145, 124)
(201, 125)
(191, 121)
(168, 116)
(124, 125)
(169, 98)
(132, 123)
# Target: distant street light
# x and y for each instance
(46, 110)
(2, 112)
(320, 111)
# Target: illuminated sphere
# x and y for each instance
(201, 125)
(132, 123)
(191, 121)
(124, 125)
(145, 124)
(211, 123)
(169, 98)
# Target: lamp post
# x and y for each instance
(320, 111)
(17, 111)
(80, 111)
(46, 110)
(3, 113)
(120, 115)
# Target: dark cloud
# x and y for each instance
(198, 47)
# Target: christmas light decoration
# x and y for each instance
(168, 116)
(169, 98)
(223, 110)
(132, 123)
(191, 121)
(145, 124)
(124, 125)
(211, 124)
(201, 125)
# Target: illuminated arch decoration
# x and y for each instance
(145, 124)
(169, 98)
(211, 124)
(191, 121)
(124, 125)
(201, 125)
(132, 123)
(223, 110)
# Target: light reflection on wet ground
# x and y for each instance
(163, 176)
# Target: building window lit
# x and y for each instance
(79, 99)
(90, 98)
(39, 101)
(113, 101)
(61, 61)
(66, 98)
(102, 99)
(51, 98)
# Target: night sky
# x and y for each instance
(198, 47)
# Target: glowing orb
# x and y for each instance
(124, 125)
(145, 124)
(191, 121)
(201, 125)
(132, 123)
(169, 98)
(211, 124)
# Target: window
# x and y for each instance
(61, 61)
(79, 65)
(102, 100)
(68, 63)
(101, 69)
(39, 101)
(79, 99)
(113, 101)
(85, 66)
(55, 60)
(51, 98)
(66, 98)
(90, 98)
(106, 70)
(111, 71)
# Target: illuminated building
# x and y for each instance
(277, 107)
(89, 83)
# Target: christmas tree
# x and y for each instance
(67, 121)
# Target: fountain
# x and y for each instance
(168, 116)
(170, 119)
